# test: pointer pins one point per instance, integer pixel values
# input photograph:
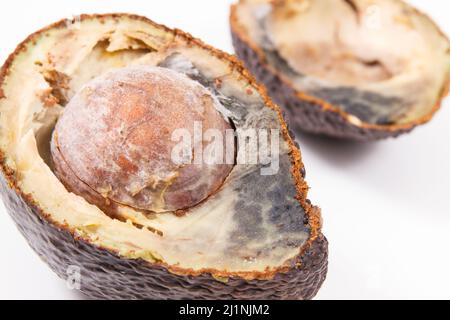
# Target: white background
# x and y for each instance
(386, 207)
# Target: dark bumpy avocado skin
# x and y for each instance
(104, 275)
(306, 115)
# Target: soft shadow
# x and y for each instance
(337, 152)
(77, 295)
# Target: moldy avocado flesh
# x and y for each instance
(255, 237)
(354, 69)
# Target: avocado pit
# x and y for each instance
(113, 143)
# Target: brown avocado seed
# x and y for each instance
(113, 143)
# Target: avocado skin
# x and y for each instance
(306, 115)
(104, 275)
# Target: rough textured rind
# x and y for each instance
(107, 274)
(308, 113)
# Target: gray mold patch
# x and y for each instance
(368, 106)
(178, 62)
(270, 201)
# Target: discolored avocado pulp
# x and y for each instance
(354, 69)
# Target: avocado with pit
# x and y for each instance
(88, 109)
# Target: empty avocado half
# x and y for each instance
(356, 69)
(87, 109)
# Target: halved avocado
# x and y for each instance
(355, 69)
(257, 237)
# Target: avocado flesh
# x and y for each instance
(252, 225)
(390, 71)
